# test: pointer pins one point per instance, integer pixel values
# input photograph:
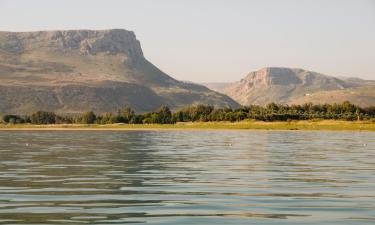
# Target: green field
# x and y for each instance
(251, 125)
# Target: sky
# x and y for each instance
(221, 40)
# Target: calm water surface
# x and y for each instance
(187, 177)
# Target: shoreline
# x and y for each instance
(324, 125)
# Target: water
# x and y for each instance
(187, 177)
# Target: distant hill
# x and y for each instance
(217, 86)
(78, 70)
(289, 85)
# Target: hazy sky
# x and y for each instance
(213, 40)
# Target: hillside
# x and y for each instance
(78, 70)
(362, 96)
(289, 85)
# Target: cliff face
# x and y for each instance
(98, 67)
(86, 41)
(281, 85)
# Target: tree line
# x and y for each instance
(205, 113)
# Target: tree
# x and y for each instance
(137, 119)
(66, 119)
(42, 117)
(164, 115)
(88, 118)
(178, 116)
(128, 114)
(116, 118)
(272, 107)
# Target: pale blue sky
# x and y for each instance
(221, 40)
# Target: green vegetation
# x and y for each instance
(88, 118)
(208, 113)
(41, 117)
(13, 119)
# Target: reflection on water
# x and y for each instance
(187, 177)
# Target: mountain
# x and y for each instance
(78, 70)
(289, 85)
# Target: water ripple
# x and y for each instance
(183, 177)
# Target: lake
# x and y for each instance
(187, 177)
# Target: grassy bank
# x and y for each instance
(251, 125)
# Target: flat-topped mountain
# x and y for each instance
(286, 85)
(78, 70)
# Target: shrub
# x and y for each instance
(13, 119)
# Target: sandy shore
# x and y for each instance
(243, 125)
(105, 129)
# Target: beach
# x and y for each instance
(244, 125)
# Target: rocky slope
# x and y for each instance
(78, 70)
(286, 85)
